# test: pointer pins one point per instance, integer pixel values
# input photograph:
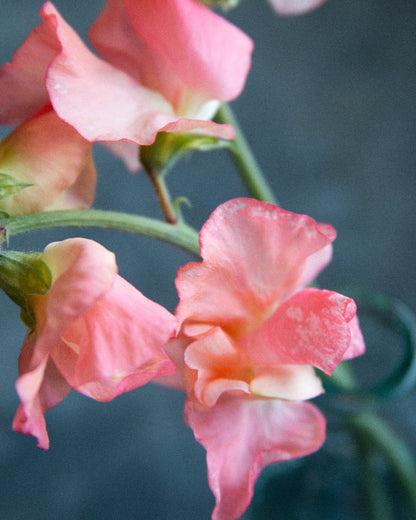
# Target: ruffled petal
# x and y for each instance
(243, 436)
(357, 345)
(39, 389)
(294, 7)
(210, 58)
(311, 328)
(117, 344)
(22, 82)
(51, 156)
(255, 255)
(220, 367)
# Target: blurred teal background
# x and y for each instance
(329, 108)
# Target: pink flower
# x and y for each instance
(43, 150)
(169, 63)
(251, 335)
(294, 7)
(54, 159)
(94, 333)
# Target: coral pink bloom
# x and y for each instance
(43, 150)
(169, 63)
(54, 159)
(294, 7)
(251, 335)
(94, 333)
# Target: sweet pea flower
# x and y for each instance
(54, 160)
(251, 334)
(43, 150)
(94, 332)
(294, 7)
(167, 66)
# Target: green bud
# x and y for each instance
(10, 185)
(21, 275)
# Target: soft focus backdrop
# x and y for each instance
(330, 111)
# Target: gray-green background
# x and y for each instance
(329, 108)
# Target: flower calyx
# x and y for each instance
(10, 185)
(22, 275)
(169, 147)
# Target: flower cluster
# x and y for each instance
(250, 332)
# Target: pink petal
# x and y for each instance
(127, 151)
(291, 382)
(311, 328)
(175, 349)
(49, 154)
(102, 102)
(39, 389)
(22, 82)
(243, 436)
(117, 344)
(294, 7)
(357, 345)
(82, 271)
(255, 255)
(210, 57)
(220, 367)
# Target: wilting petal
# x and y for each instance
(51, 156)
(117, 344)
(255, 255)
(311, 328)
(22, 82)
(209, 58)
(242, 436)
(294, 7)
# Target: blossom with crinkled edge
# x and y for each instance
(251, 334)
(94, 333)
(294, 7)
(167, 65)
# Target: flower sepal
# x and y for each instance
(169, 147)
(10, 185)
(224, 4)
(21, 275)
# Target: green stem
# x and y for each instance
(244, 159)
(373, 489)
(372, 433)
(379, 436)
(179, 234)
(162, 192)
